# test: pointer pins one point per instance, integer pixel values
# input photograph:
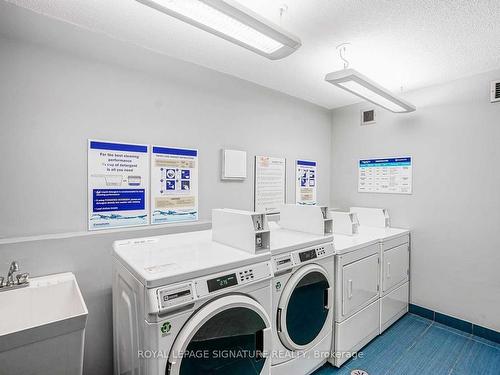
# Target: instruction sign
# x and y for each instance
(305, 182)
(270, 184)
(117, 184)
(174, 185)
(389, 175)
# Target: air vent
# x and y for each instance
(368, 116)
(495, 91)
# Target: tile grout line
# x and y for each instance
(473, 325)
(469, 340)
(417, 339)
(473, 338)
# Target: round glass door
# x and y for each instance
(226, 342)
(304, 307)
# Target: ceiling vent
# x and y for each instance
(495, 91)
(368, 116)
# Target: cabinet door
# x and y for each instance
(360, 284)
(395, 267)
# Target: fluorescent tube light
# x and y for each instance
(360, 85)
(231, 21)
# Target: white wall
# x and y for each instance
(51, 104)
(454, 212)
(52, 101)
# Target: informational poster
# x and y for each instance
(174, 185)
(389, 175)
(270, 184)
(118, 182)
(305, 182)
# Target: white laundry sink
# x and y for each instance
(42, 327)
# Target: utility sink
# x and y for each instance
(42, 327)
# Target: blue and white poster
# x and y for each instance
(386, 175)
(174, 185)
(118, 183)
(305, 182)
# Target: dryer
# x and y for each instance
(183, 304)
(357, 292)
(394, 246)
(302, 300)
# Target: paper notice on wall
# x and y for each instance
(305, 182)
(174, 185)
(270, 184)
(118, 182)
(389, 175)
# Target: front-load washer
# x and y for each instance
(302, 295)
(183, 304)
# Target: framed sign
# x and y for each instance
(270, 184)
(174, 185)
(305, 182)
(118, 183)
(387, 175)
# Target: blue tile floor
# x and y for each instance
(415, 345)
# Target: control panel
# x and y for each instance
(226, 280)
(314, 253)
(246, 275)
(176, 296)
(287, 261)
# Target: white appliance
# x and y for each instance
(302, 300)
(372, 217)
(357, 305)
(344, 222)
(395, 265)
(183, 304)
(394, 246)
(305, 218)
(245, 230)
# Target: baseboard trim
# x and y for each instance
(450, 321)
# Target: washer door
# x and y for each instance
(304, 307)
(231, 335)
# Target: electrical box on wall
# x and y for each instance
(368, 116)
(495, 91)
(234, 165)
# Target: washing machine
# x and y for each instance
(184, 304)
(302, 300)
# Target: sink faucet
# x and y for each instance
(14, 267)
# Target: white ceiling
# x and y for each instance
(405, 44)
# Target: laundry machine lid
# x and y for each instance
(230, 335)
(304, 308)
(162, 260)
(346, 244)
(284, 240)
(383, 234)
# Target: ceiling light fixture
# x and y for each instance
(233, 22)
(356, 83)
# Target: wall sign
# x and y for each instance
(270, 184)
(305, 182)
(118, 182)
(174, 185)
(389, 175)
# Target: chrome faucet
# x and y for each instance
(14, 267)
(21, 280)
